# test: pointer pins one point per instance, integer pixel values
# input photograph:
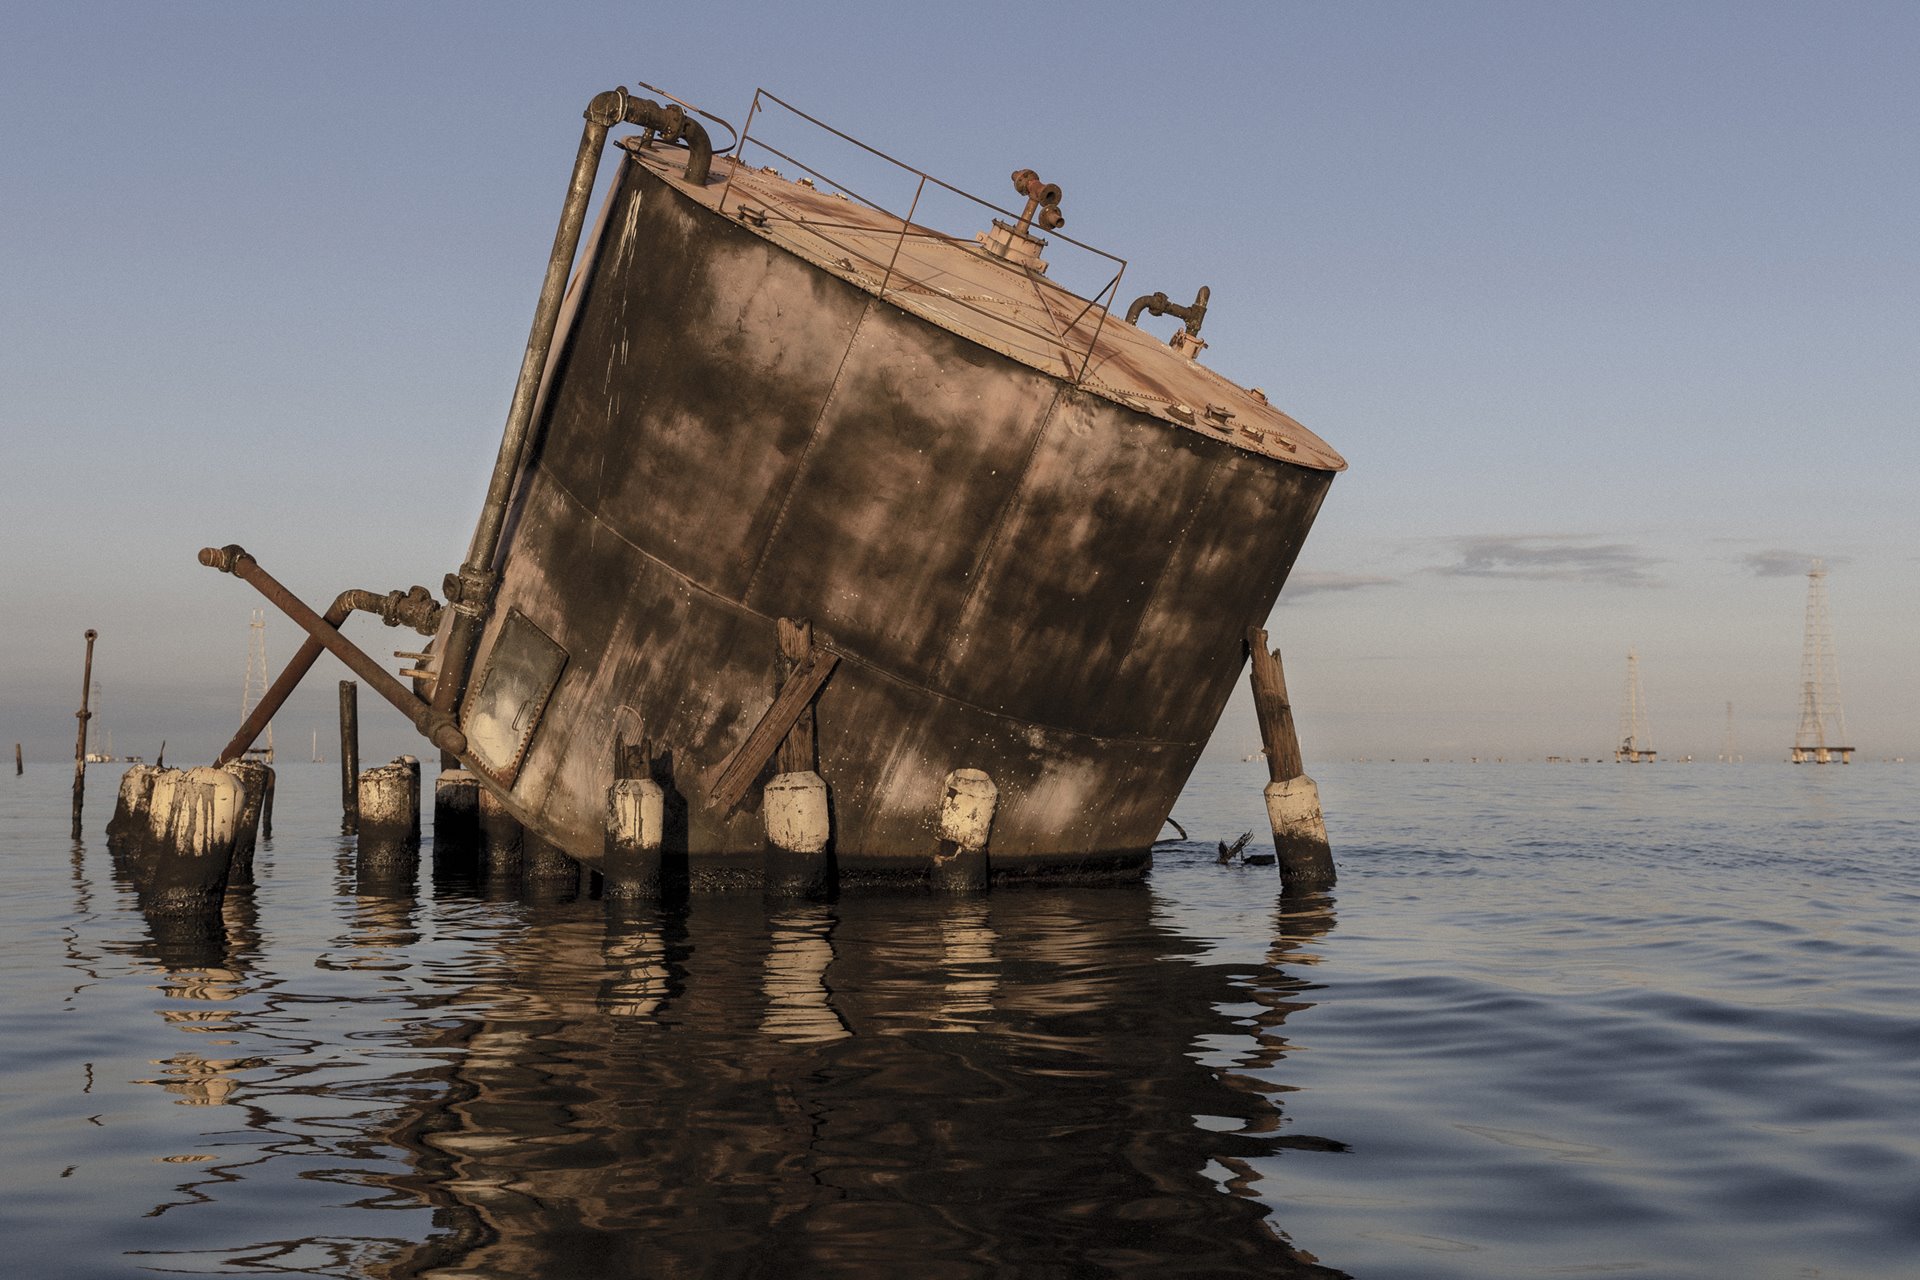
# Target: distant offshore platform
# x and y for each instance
(1634, 735)
(1822, 724)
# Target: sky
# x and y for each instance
(1613, 310)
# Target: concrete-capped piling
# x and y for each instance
(195, 848)
(799, 828)
(1293, 801)
(388, 803)
(456, 817)
(636, 826)
(1300, 834)
(255, 779)
(966, 823)
(129, 829)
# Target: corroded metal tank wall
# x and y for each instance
(1020, 576)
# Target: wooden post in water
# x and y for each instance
(80, 744)
(1293, 802)
(349, 756)
(799, 750)
(19, 766)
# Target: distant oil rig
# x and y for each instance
(1822, 724)
(1634, 735)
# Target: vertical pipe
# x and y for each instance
(80, 744)
(349, 756)
(476, 575)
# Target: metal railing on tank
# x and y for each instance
(1065, 334)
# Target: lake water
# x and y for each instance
(1557, 1020)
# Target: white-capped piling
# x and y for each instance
(799, 830)
(636, 826)
(128, 830)
(966, 823)
(255, 778)
(456, 817)
(1293, 802)
(388, 801)
(195, 847)
(502, 842)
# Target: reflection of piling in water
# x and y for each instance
(799, 827)
(799, 1004)
(966, 820)
(389, 819)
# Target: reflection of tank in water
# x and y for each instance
(988, 1087)
(1028, 535)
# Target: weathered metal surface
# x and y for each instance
(1043, 576)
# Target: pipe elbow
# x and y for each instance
(1154, 302)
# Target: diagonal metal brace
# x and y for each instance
(436, 726)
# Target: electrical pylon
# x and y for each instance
(1634, 735)
(1823, 727)
(256, 687)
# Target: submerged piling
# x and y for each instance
(502, 843)
(255, 778)
(1293, 801)
(636, 827)
(80, 744)
(799, 828)
(456, 817)
(966, 820)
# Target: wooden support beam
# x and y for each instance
(1277, 733)
(727, 783)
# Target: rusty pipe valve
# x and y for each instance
(1194, 313)
(1043, 201)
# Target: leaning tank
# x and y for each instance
(1033, 534)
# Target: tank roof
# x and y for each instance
(995, 302)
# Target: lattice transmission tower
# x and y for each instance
(1634, 735)
(1823, 726)
(256, 686)
(1727, 753)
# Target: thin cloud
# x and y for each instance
(1780, 563)
(1550, 558)
(1308, 584)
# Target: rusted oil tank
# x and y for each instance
(1032, 534)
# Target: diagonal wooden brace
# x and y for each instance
(729, 780)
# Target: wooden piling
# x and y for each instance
(1293, 801)
(502, 841)
(19, 765)
(349, 756)
(799, 750)
(80, 744)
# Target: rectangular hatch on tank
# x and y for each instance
(508, 700)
